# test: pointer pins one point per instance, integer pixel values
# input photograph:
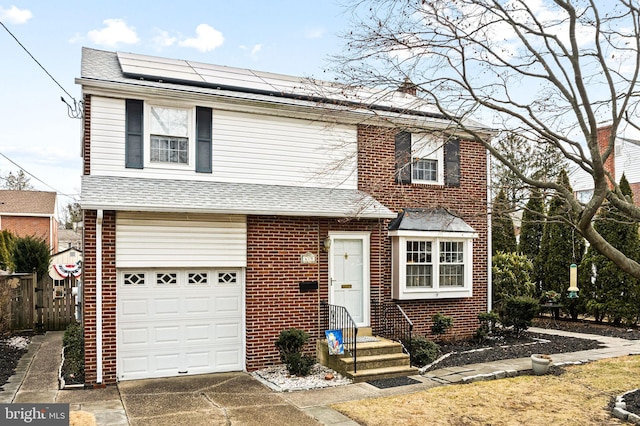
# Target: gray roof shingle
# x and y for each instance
(165, 195)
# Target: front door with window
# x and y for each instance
(349, 274)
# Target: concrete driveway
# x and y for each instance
(211, 399)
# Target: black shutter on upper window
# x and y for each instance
(134, 132)
(204, 154)
(403, 157)
(452, 162)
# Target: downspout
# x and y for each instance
(489, 247)
(99, 218)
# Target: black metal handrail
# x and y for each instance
(334, 317)
(390, 321)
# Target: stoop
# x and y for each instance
(377, 360)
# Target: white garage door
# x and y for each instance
(179, 322)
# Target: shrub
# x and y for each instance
(488, 321)
(441, 323)
(519, 312)
(73, 342)
(290, 344)
(424, 351)
(511, 276)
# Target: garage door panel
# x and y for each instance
(180, 328)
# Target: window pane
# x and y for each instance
(451, 264)
(419, 276)
(169, 150)
(169, 121)
(424, 169)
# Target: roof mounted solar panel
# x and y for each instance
(249, 81)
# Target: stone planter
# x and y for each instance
(540, 364)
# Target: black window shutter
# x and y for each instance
(403, 157)
(204, 155)
(134, 134)
(452, 162)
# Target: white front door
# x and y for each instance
(349, 274)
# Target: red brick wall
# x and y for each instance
(604, 136)
(376, 177)
(32, 226)
(108, 297)
(274, 270)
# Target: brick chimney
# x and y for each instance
(604, 138)
(408, 87)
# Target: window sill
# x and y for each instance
(433, 294)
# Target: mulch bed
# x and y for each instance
(9, 357)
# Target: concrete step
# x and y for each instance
(378, 361)
(381, 373)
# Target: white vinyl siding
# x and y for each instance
(247, 148)
(182, 240)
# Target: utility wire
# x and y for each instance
(35, 177)
(74, 112)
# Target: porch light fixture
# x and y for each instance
(327, 243)
(573, 282)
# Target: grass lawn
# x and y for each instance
(580, 396)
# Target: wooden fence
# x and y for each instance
(42, 304)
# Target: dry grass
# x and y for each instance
(578, 397)
(81, 418)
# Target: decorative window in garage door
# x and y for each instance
(198, 278)
(166, 278)
(134, 278)
(227, 277)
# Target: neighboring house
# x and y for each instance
(65, 264)
(626, 160)
(30, 214)
(222, 205)
(69, 238)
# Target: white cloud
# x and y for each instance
(163, 39)
(315, 32)
(116, 31)
(207, 38)
(15, 15)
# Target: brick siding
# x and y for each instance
(376, 177)
(32, 226)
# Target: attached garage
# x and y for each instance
(188, 318)
(179, 322)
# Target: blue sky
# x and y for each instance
(292, 37)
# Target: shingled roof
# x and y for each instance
(35, 203)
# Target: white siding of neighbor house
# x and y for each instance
(247, 148)
(627, 161)
(180, 240)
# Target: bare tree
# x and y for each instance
(549, 72)
(18, 182)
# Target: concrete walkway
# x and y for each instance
(239, 399)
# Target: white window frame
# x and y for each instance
(191, 136)
(427, 147)
(399, 288)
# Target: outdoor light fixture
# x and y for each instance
(573, 282)
(327, 243)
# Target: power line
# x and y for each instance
(74, 111)
(34, 176)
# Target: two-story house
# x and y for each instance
(223, 205)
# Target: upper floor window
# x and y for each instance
(424, 158)
(169, 135)
(427, 164)
(160, 135)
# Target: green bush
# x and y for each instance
(73, 342)
(290, 344)
(511, 276)
(441, 323)
(488, 321)
(519, 312)
(299, 364)
(424, 351)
